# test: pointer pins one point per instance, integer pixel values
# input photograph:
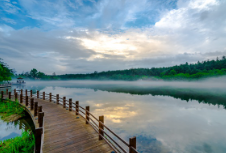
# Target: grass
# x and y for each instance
(21, 144)
(9, 108)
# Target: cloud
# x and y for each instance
(9, 7)
(8, 20)
(191, 31)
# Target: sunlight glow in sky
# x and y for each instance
(83, 36)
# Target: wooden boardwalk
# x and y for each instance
(62, 126)
(66, 132)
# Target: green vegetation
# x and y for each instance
(11, 110)
(22, 144)
(35, 74)
(5, 72)
(179, 72)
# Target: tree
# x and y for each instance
(5, 72)
(33, 73)
(172, 72)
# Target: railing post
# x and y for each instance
(101, 127)
(64, 102)
(31, 93)
(21, 98)
(77, 107)
(132, 143)
(57, 98)
(39, 110)
(9, 95)
(50, 97)
(38, 139)
(16, 96)
(43, 96)
(7, 91)
(70, 104)
(26, 92)
(38, 94)
(36, 109)
(87, 114)
(14, 91)
(40, 116)
(2, 93)
(26, 101)
(32, 104)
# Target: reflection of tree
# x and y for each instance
(207, 96)
(24, 123)
(30, 87)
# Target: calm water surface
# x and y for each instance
(165, 118)
(14, 129)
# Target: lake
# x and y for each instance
(166, 117)
(14, 129)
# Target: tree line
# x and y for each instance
(197, 70)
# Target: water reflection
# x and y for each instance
(14, 129)
(164, 119)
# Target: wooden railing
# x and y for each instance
(34, 111)
(104, 132)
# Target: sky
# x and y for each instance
(83, 36)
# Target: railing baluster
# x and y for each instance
(26, 92)
(7, 91)
(87, 114)
(16, 96)
(38, 139)
(50, 97)
(70, 104)
(9, 95)
(77, 107)
(32, 104)
(64, 102)
(43, 96)
(31, 93)
(132, 143)
(38, 94)
(21, 98)
(57, 99)
(101, 119)
(14, 91)
(26, 101)
(40, 116)
(39, 110)
(36, 109)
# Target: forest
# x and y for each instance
(192, 71)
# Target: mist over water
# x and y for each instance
(166, 117)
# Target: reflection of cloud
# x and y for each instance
(98, 105)
(7, 130)
(116, 114)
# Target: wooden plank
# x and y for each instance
(66, 132)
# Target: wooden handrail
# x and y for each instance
(38, 130)
(88, 118)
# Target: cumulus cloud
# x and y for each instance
(193, 30)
